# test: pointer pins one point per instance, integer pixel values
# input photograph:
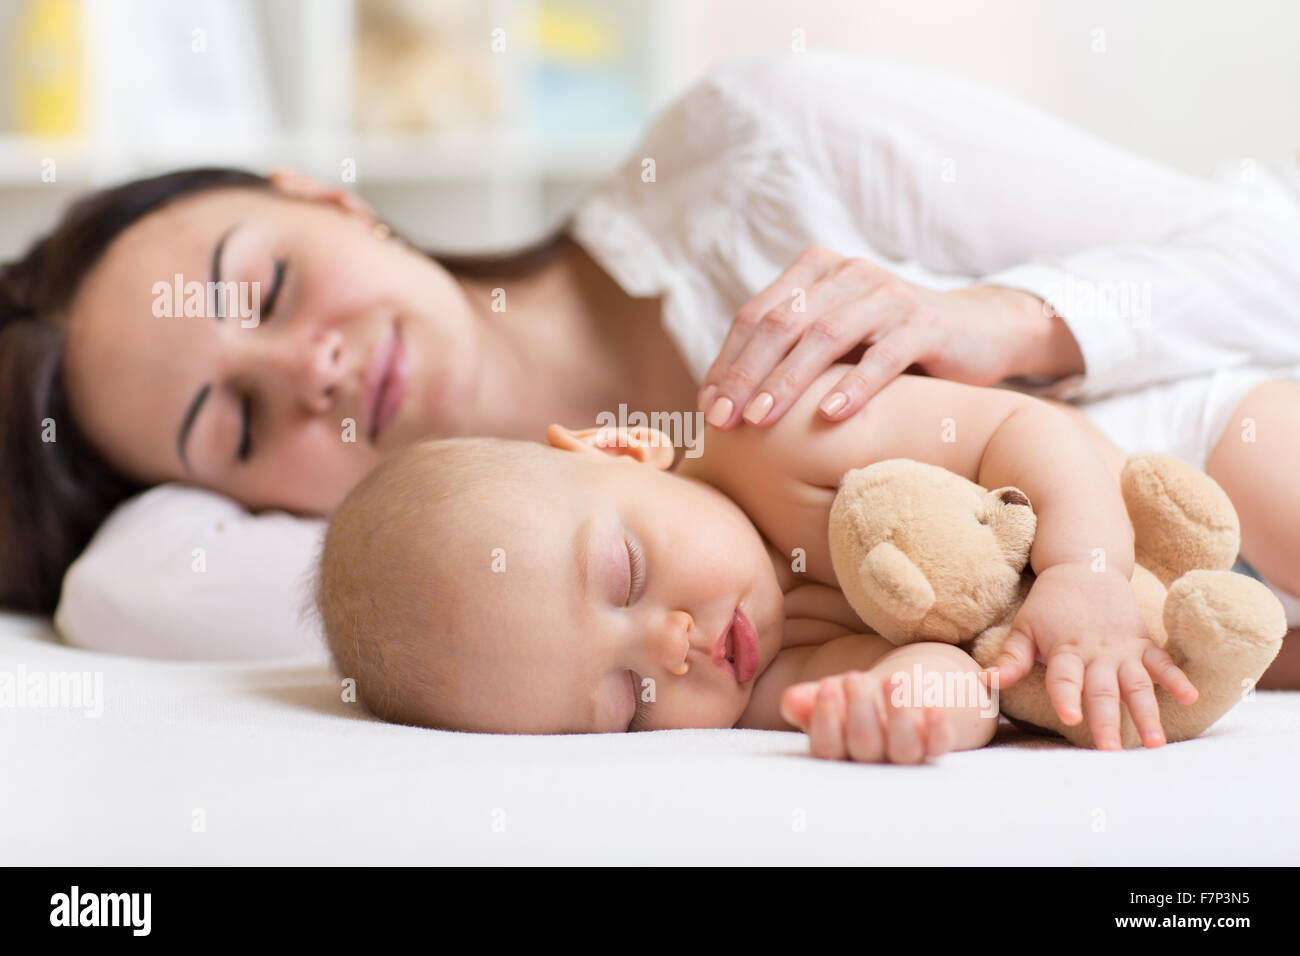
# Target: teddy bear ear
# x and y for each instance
(1011, 496)
(894, 582)
(1014, 523)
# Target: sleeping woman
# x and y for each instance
(785, 213)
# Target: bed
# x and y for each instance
(265, 763)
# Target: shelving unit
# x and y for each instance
(452, 189)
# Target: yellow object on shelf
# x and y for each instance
(45, 68)
(575, 32)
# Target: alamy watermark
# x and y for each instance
(77, 908)
(208, 300)
(676, 429)
(932, 688)
(37, 689)
(1124, 301)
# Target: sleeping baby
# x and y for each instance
(591, 586)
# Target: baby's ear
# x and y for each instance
(649, 446)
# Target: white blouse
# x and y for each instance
(1160, 276)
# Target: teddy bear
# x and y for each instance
(923, 554)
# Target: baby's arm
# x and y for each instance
(1081, 616)
(859, 697)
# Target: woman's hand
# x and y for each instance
(825, 306)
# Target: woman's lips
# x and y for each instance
(736, 651)
(386, 380)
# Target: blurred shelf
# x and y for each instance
(23, 159)
(395, 158)
(536, 149)
(490, 156)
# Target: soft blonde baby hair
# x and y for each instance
(383, 589)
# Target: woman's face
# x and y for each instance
(362, 345)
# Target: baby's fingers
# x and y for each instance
(1169, 675)
(797, 703)
(1101, 698)
(864, 730)
(938, 732)
(1140, 696)
(1015, 659)
(906, 735)
(826, 735)
(1065, 686)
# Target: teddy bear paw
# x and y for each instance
(1181, 518)
(1224, 630)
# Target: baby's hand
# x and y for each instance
(1087, 627)
(851, 716)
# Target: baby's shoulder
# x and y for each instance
(781, 447)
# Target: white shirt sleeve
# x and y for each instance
(179, 572)
(1158, 274)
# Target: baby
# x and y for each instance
(510, 587)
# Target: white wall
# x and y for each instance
(1188, 82)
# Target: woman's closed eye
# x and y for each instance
(245, 430)
(265, 312)
(277, 283)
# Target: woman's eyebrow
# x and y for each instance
(202, 395)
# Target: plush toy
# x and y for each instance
(923, 554)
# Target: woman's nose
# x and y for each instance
(672, 642)
(323, 371)
(313, 368)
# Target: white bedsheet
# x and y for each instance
(279, 770)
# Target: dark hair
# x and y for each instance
(54, 494)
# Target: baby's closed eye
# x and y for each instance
(635, 570)
(642, 697)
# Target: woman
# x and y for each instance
(931, 223)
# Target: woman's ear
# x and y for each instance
(649, 446)
(296, 185)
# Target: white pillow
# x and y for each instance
(179, 572)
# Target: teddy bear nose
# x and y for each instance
(1013, 498)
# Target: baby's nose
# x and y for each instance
(673, 642)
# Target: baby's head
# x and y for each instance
(510, 587)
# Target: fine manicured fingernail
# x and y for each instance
(706, 397)
(720, 412)
(758, 408)
(833, 404)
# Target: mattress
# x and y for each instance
(266, 763)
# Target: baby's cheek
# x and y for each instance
(689, 705)
(731, 706)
